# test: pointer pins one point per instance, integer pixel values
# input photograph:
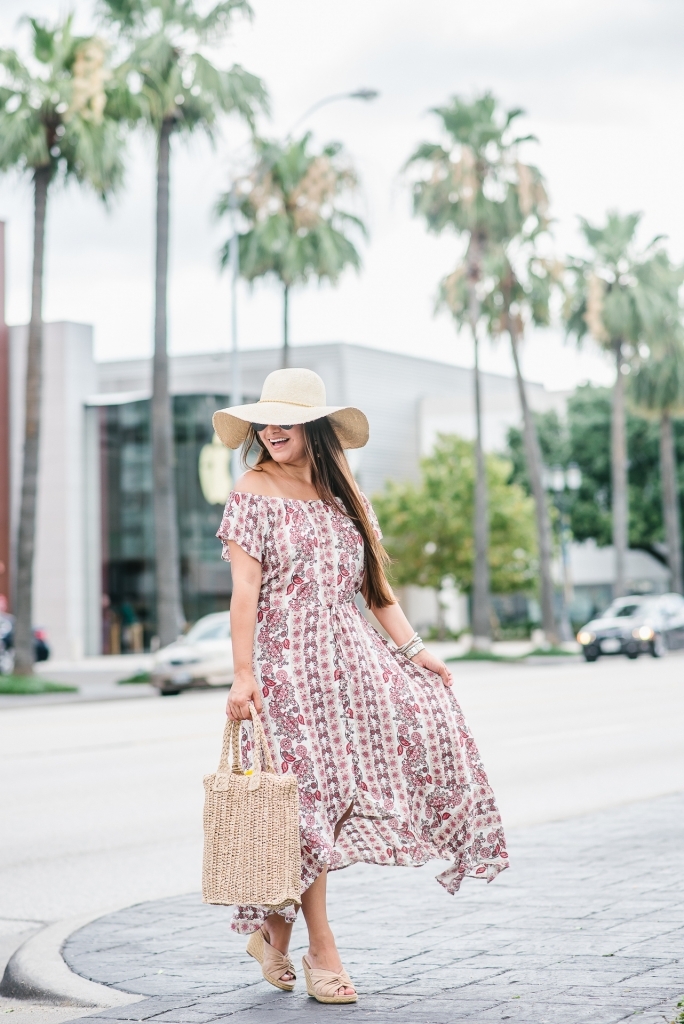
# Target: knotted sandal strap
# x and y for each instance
(273, 963)
(325, 985)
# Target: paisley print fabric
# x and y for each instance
(355, 722)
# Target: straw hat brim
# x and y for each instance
(232, 425)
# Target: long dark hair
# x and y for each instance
(332, 478)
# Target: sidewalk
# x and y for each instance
(96, 679)
(587, 927)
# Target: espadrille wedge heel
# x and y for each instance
(325, 985)
(273, 963)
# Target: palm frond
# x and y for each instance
(59, 119)
(620, 294)
(298, 226)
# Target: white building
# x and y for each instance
(592, 574)
(94, 537)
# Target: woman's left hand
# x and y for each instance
(432, 664)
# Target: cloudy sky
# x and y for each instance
(602, 82)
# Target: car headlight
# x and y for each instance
(584, 637)
(643, 633)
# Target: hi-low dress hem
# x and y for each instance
(358, 724)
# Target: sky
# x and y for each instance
(602, 84)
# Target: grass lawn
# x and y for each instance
(481, 656)
(33, 684)
(538, 652)
(139, 677)
(555, 652)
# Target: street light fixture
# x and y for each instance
(573, 477)
(558, 479)
(359, 94)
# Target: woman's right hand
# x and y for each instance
(243, 692)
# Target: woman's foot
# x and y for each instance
(326, 958)
(278, 936)
(269, 946)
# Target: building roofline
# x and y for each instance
(275, 350)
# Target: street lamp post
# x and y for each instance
(234, 260)
(560, 480)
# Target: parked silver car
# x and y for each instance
(201, 658)
(635, 625)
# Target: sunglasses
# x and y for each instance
(262, 426)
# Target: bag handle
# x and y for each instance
(231, 739)
(260, 735)
(230, 751)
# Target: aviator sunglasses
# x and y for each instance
(262, 426)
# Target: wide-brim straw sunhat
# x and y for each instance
(294, 395)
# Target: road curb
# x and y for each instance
(37, 971)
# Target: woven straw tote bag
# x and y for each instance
(252, 854)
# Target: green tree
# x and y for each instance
(584, 438)
(53, 127)
(622, 297)
(656, 391)
(473, 183)
(169, 85)
(428, 528)
(297, 229)
(554, 445)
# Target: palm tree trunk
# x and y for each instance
(619, 475)
(534, 468)
(481, 624)
(23, 631)
(668, 473)
(286, 326)
(170, 618)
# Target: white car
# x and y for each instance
(201, 658)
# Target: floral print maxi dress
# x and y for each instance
(355, 722)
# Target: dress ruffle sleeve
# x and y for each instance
(372, 516)
(245, 521)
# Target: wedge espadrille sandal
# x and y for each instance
(324, 985)
(273, 963)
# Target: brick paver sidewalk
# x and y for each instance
(587, 927)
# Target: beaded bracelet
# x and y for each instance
(409, 643)
(411, 647)
(416, 649)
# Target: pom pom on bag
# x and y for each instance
(252, 851)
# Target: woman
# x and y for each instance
(387, 770)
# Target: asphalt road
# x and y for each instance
(100, 803)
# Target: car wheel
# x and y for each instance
(657, 646)
(591, 653)
(632, 655)
(166, 691)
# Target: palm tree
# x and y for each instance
(622, 297)
(475, 185)
(511, 298)
(296, 227)
(172, 88)
(656, 391)
(53, 125)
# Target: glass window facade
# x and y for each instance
(128, 549)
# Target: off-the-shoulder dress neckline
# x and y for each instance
(277, 497)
